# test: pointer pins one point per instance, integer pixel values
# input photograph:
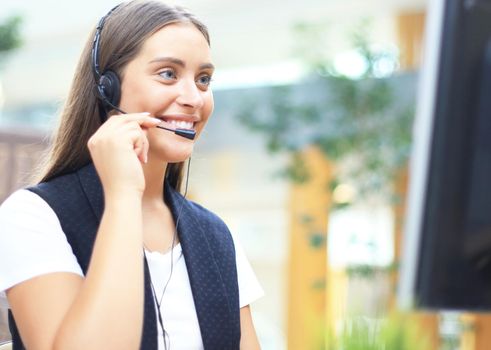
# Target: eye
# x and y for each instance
(168, 74)
(204, 80)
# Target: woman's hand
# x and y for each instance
(118, 148)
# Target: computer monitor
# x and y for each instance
(446, 259)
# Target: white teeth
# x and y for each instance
(181, 124)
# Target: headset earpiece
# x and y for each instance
(109, 89)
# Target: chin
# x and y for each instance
(169, 148)
(173, 154)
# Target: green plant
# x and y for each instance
(396, 332)
(360, 124)
(9, 35)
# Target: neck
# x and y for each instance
(154, 172)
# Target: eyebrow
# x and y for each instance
(179, 62)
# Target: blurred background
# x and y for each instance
(305, 157)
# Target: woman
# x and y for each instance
(104, 253)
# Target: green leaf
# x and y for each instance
(10, 34)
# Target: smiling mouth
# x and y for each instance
(177, 124)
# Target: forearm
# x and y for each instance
(248, 339)
(108, 311)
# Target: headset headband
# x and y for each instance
(95, 45)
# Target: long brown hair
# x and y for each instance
(125, 31)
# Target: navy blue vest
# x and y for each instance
(208, 248)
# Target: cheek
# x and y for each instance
(145, 95)
(208, 106)
(132, 96)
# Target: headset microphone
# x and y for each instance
(187, 133)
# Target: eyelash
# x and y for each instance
(208, 77)
(206, 84)
(168, 71)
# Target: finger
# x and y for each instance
(145, 148)
(142, 146)
(138, 146)
(143, 119)
(117, 117)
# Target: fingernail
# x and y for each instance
(157, 120)
(145, 158)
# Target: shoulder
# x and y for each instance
(65, 182)
(193, 211)
(66, 193)
(26, 211)
(24, 203)
(31, 240)
(213, 227)
(207, 217)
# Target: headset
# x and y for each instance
(108, 84)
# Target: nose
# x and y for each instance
(190, 95)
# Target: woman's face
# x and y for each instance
(170, 79)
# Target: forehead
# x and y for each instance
(179, 40)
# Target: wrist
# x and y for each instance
(126, 196)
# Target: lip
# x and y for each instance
(179, 117)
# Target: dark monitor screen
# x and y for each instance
(447, 244)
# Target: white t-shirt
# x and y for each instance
(32, 243)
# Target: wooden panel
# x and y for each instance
(410, 29)
(20, 152)
(428, 322)
(309, 207)
(476, 333)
